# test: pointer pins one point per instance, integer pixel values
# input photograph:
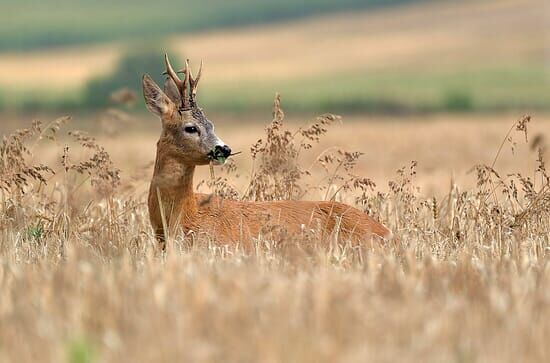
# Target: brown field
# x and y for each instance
(466, 279)
(445, 146)
(429, 35)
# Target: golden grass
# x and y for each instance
(445, 146)
(81, 278)
(427, 35)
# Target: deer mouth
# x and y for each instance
(217, 156)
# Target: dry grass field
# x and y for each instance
(466, 278)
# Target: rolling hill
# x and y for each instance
(451, 55)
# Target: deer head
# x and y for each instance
(187, 135)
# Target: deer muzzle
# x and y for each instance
(219, 153)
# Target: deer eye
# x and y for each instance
(191, 129)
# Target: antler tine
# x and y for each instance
(187, 71)
(181, 84)
(189, 79)
(188, 75)
(170, 72)
(199, 73)
(193, 82)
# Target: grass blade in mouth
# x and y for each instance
(211, 165)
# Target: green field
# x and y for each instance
(417, 58)
(397, 91)
(483, 90)
(41, 24)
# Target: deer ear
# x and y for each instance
(156, 101)
(171, 90)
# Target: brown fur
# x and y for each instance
(230, 221)
(174, 207)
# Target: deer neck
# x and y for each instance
(171, 192)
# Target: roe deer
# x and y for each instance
(188, 140)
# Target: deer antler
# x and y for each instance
(181, 85)
(187, 98)
(194, 82)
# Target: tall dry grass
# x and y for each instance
(466, 279)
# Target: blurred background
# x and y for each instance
(413, 71)
(349, 56)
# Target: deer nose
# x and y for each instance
(224, 150)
